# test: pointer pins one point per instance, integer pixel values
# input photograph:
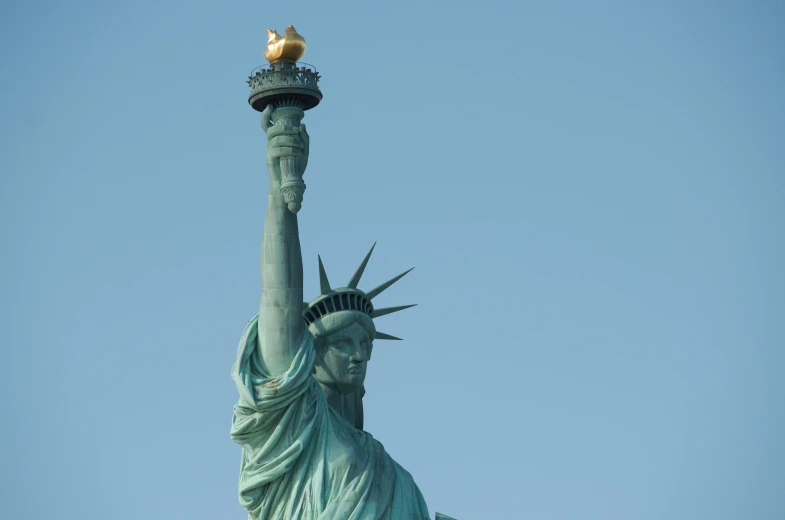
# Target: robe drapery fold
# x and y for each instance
(300, 459)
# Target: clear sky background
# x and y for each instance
(592, 194)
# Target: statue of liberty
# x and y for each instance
(300, 370)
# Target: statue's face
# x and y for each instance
(343, 358)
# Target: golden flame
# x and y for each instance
(289, 47)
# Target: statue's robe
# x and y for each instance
(301, 459)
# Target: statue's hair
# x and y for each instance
(333, 322)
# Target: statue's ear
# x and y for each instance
(370, 352)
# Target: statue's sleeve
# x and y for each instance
(275, 417)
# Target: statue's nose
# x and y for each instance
(358, 356)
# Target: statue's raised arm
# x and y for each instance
(281, 323)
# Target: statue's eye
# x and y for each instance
(343, 344)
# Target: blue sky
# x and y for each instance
(591, 192)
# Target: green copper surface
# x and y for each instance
(300, 372)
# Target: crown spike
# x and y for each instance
(360, 270)
(389, 310)
(377, 290)
(382, 335)
(324, 283)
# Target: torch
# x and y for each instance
(291, 87)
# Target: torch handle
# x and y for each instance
(292, 185)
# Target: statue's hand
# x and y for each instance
(284, 141)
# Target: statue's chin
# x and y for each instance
(339, 379)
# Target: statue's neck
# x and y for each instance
(348, 406)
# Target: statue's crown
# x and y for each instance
(350, 298)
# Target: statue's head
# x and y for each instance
(344, 342)
(341, 322)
